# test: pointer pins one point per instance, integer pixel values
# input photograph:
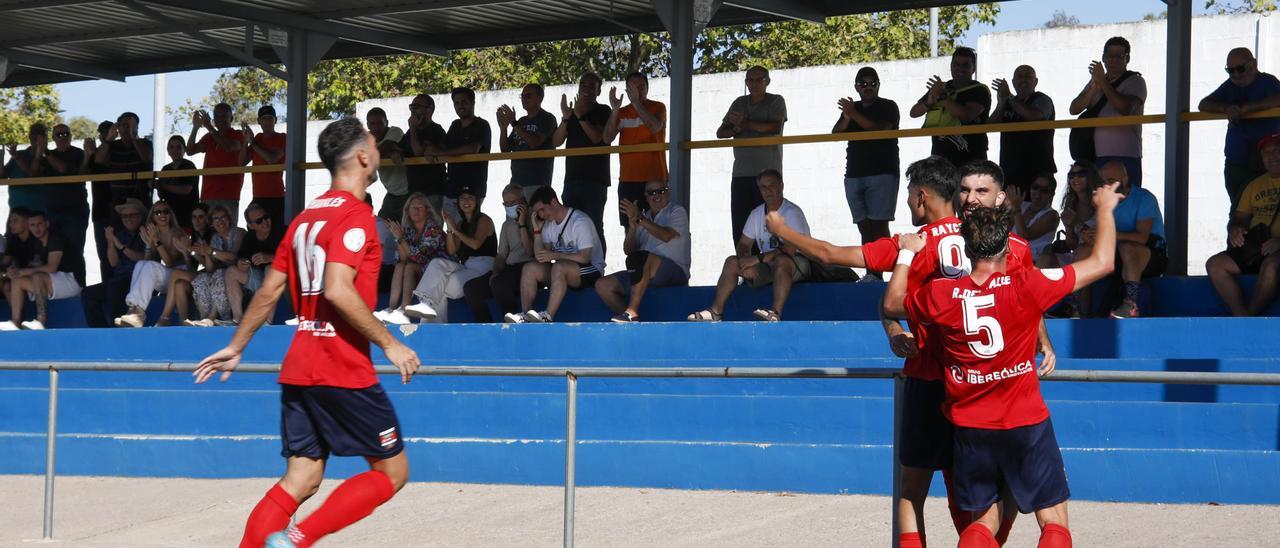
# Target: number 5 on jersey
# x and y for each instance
(309, 257)
(974, 324)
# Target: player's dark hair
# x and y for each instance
(936, 174)
(537, 88)
(20, 211)
(466, 91)
(376, 111)
(986, 232)
(972, 54)
(338, 139)
(983, 167)
(543, 195)
(35, 213)
(593, 78)
(1116, 41)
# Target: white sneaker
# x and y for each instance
(291, 321)
(9, 326)
(513, 317)
(533, 316)
(129, 320)
(34, 325)
(397, 317)
(198, 323)
(421, 311)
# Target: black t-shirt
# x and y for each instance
(67, 198)
(252, 245)
(182, 204)
(428, 179)
(472, 174)
(124, 158)
(40, 253)
(536, 171)
(1026, 154)
(19, 251)
(962, 148)
(587, 168)
(879, 157)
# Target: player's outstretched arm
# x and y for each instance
(1101, 261)
(895, 296)
(260, 308)
(340, 291)
(813, 248)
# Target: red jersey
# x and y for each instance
(988, 336)
(221, 187)
(943, 257)
(334, 228)
(269, 184)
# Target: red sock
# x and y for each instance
(960, 518)
(1006, 526)
(350, 502)
(976, 535)
(910, 540)
(270, 515)
(1055, 536)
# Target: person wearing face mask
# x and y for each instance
(515, 248)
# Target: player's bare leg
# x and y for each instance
(301, 480)
(352, 501)
(979, 534)
(915, 489)
(1053, 526)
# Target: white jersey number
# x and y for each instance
(951, 258)
(309, 257)
(977, 325)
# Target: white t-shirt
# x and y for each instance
(677, 250)
(577, 233)
(756, 229)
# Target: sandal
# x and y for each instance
(767, 315)
(625, 317)
(705, 315)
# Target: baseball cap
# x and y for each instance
(131, 203)
(467, 189)
(1269, 140)
(267, 110)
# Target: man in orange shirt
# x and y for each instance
(221, 148)
(642, 121)
(264, 149)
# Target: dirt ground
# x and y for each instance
(137, 512)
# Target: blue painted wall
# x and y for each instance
(1122, 442)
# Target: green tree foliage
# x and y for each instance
(22, 107)
(337, 85)
(82, 127)
(1240, 6)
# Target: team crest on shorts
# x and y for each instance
(388, 437)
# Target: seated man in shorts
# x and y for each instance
(657, 244)
(255, 255)
(567, 255)
(47, 277)
(779, 262)
(1253, 238)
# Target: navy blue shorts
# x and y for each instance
(927, 435)
(318, 420)
(1025, 459)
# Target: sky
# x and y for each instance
(105, 100)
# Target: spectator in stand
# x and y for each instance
(181, 193)
(472, 243)
(151, 274)
(778, 263)
(419, 238)
(586, 178)
(104, 301)
(68, 202)
(467, 135)
(515, 245)
(17, 249)
(123, 151)
(756, 114)
(1246, 90)
(960, 101)
(266, 148)
(641, 122)
(102, 213)
(221, 148)
(1140, 251)
(871, 168)
(49, 276)
(1114, 90)
(395, 178)
(209, 285)
(1076, 216)
(255, 255)
(1024, 155)
(657, 244)
(192, 245)
(1253, 238)
(533, 131)
(424, 138)
(567, 256)
(28, 162)
(1034, 219)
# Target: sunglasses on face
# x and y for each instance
(62, 134)
(1238, 69)
(657, 191)
(161, 212)
(863, 85)
(259, 220)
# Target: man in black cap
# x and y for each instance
(266, 148)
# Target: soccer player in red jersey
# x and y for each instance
(330, 398)
(986, 325)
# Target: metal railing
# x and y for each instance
(572, 374)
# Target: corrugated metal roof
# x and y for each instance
(111, 36)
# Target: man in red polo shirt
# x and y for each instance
(221, 148)
(266, 148)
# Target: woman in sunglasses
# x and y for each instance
(1077, 219)
(209, 286)
(178, 294)
(151, 274)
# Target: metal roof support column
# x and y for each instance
(1177, 134)
(684, 20)
(305, 50)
